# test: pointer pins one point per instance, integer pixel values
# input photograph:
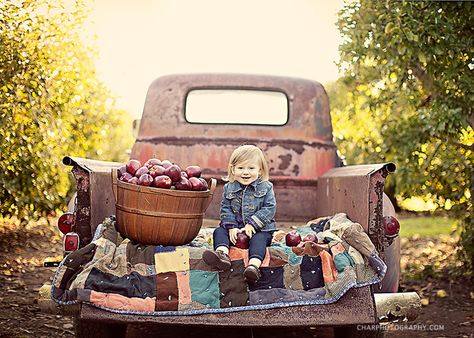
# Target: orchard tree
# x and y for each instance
(408, 74)
(51, 104)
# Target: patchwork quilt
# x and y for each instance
(121, 276)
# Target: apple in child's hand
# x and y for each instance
(183, 184)
(193, 171)
(243, 241)
(173, 172)
(121, 170)
(293, 238)
(196, 184)
(151, 162)
(166, 164)
(156, 170)
(132, 166)
(163, 182)
(141, 171)
(133, 180)
(310, 238)
(145, 180)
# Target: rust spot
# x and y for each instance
(296, 170)
(285, 161)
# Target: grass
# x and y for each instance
(426, 226)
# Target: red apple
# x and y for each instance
(293, 238)
(183, 184)
(133, 180)
(125, 177)
(162, 181)
(196, 184)
(193, 171)
(391, 225)
(132, 166)
(166, 164)
(156, 170)
(121, 170)
(145, 180)
(141, 171)
(311, 237)
(204, 182)
(173, 172)
(243, 241)
(183, 173)
(151, 162)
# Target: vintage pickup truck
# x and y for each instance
(200, 119)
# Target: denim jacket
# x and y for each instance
(253, 204)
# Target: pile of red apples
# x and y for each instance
(162, 174)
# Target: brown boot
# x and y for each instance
(216, 259)
(252, 274)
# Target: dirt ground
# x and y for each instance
(448, 309)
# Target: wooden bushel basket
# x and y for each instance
(154, 216)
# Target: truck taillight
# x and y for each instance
(391, 225)
(71, 241)
(65, 222)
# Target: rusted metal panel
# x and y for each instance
(301, 149)
(348, 194)
(94, 200)
(357, 306)
(346, 189)
(213, 155)
(102, 197)
(82, 207)
(376, 229)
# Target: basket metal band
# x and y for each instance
(158, 213)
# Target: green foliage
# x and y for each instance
(51, 105)
(406, 96)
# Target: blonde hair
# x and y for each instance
(244, 154)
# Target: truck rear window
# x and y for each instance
(236, 106)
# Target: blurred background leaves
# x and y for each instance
(51, 104)
(405, 95)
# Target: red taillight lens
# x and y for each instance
(391, 225)
(71, 241)
(65, 222)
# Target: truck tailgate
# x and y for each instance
(355, 307)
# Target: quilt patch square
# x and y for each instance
(311, 273)
(177, 260)
(166, 291)
(132, 285)
(271, 278)
(205, 288)
(233, 288)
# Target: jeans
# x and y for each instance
(258, 242)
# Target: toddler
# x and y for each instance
(248, 205)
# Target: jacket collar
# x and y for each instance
(236, 186)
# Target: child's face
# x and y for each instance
(246, 172)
